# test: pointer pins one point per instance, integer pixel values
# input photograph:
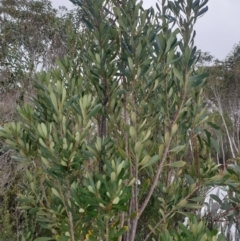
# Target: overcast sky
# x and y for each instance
(217, 31)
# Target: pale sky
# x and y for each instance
(217, 31)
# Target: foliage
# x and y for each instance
(222, 96)
(6, 222)
(222, 93)
(115, 145)
(194, 231)
(32, 37)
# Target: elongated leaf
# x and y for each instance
(213, 125)
(178, 74)
(203, 3)
(193, 206)
(177, 164)
(198, 199)
(94, 110)
(43, 239)
(55, 192)
(54, 101)
(216, 198)
(195, 3)
(121, 231)
(70, 101)
(177, 148)
(197, 80)
(189, 179)
(152, 161)
(204, 10)
(215, 144)
(236, 169)
(176, 59)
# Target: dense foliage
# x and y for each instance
(116, 142)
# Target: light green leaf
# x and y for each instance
(90, 189)
(177, 164)
(160, 151)
(152, 161)
(133, 132)
(193, 206)
(131, 182)
(130, 63)
(174, 129)
(177, 148)
(145, 160)
(116, 200)
(182, 203)
(55, 192)
(166, 137)
(121, 231)
(44, 129)
(54, 101)
(113, 176)
(138, 148)
(43, 239)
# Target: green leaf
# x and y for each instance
(116, 200)
(198, 199)
(33, 210)
(213, 125)
(175, 60)
(94, 110)
(197, 80)
(215, 144)
(121, 152)
(182, 203)
(54, 101)
(121, 231)
(177, 164)
(193, 206)
(143, 188)
(216, 198)
(152, 161)
(138, 148)
(202, 11)
(43, 239)
(70, 101)
(61, 66)
(177, 148)
(178, 74)
(145, 160)
(237, 169)
(24, 207)
(55, 192)
(130, 63)
(18, 158)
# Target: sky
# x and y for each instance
(217, 31)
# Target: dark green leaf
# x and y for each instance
(216, 198)
(213, 125)
(189, 179)
(204, 10)
(197, 80)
